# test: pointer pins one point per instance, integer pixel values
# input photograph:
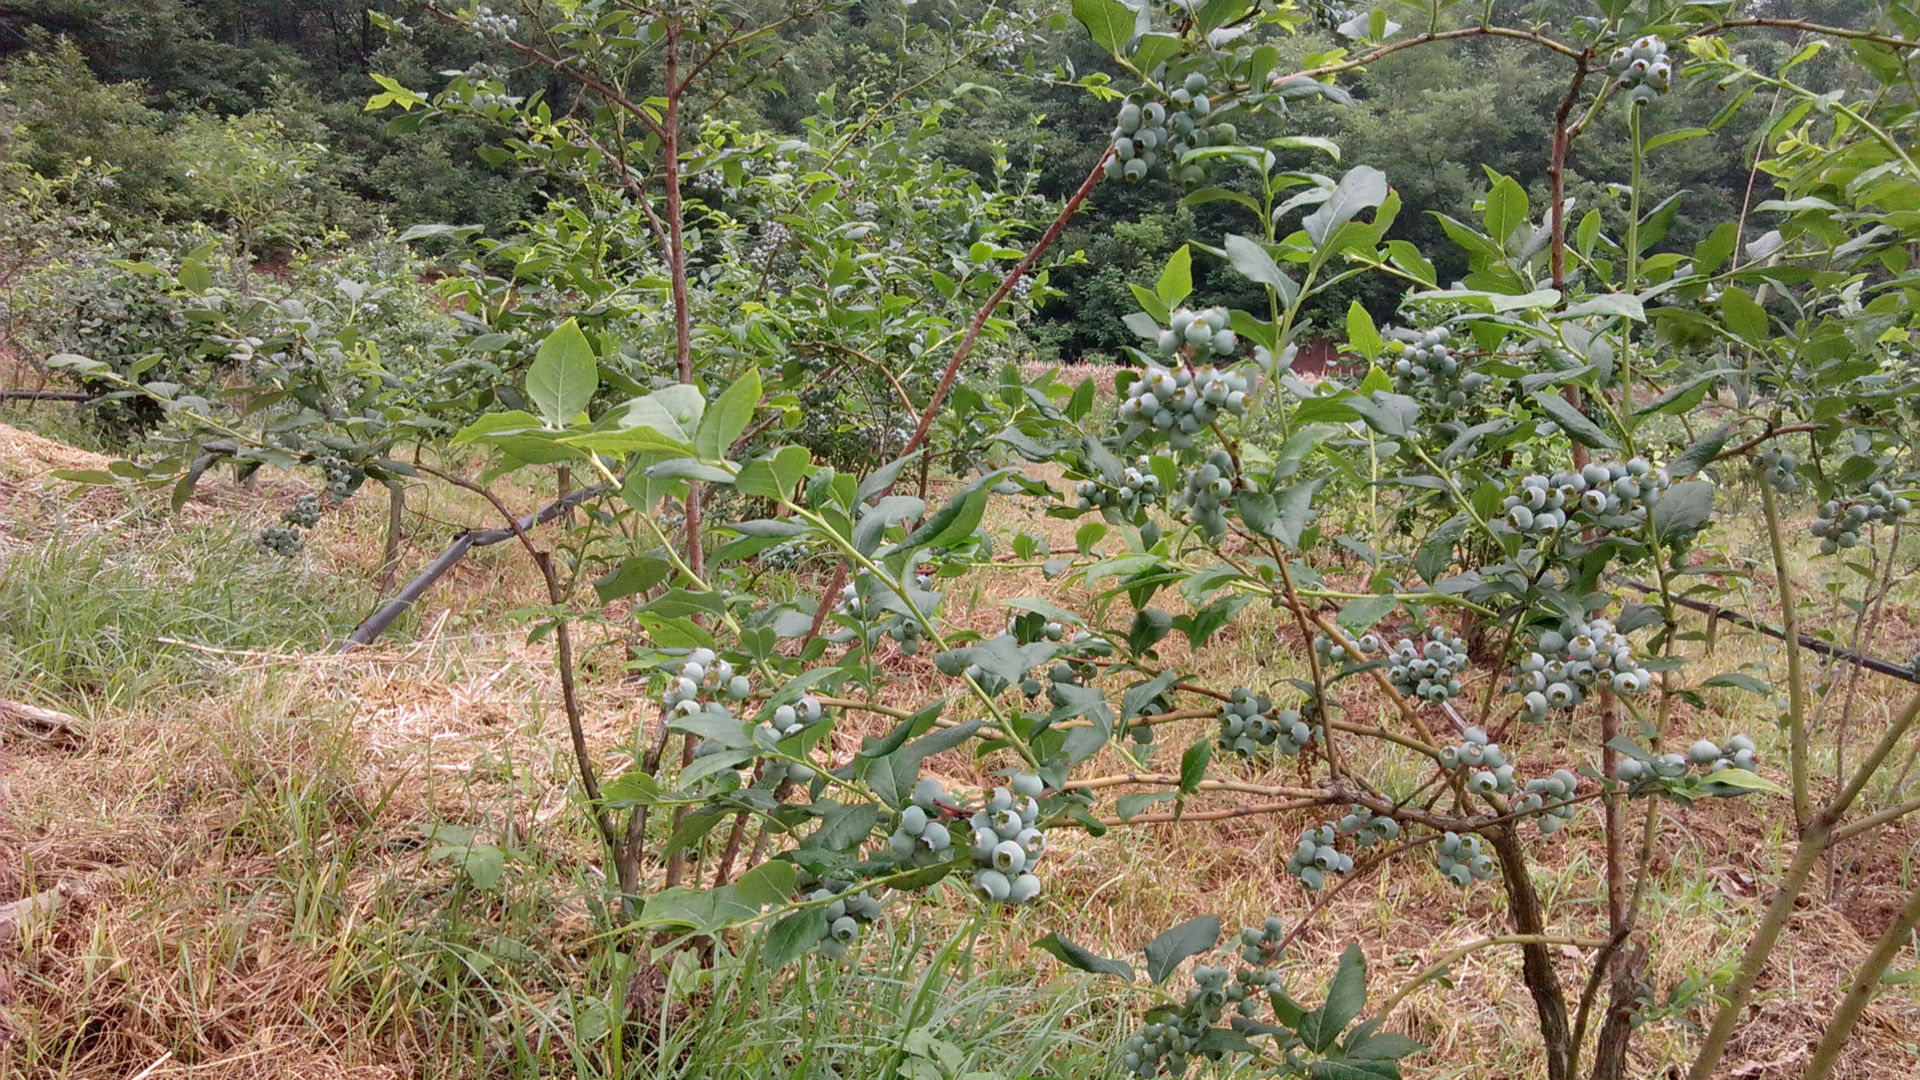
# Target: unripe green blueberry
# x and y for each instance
(1027, 785)
(1134, 170)
(1024, 888)
(914, 820)
(928, 792)
(992, 886)
(1703, 752)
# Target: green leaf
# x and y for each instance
(635, 574)
(1349, 1069)
(1282, 516)
(729, 731)
(1742, 682)
(1620, 305)
(195, 277)
(1744, 318)
(564, 375)
(728, 417)
(767, 884)
(1190, 938)
(1743, 779)
(776, 475)
(1683, 509)
(1700, 453)
(1362, 188)
(791, 937)
(1668, 138)
(1193, 764)
(1081, 960)
(1506, 209)
(1109, 22)
(1682, 397)
(1356, 616)
(1306, 142)
(1152, 50)
(1436, 554)
(1362, 336)
(1573, 421)
(1253, 263)
(699, 910)
(1346, 996)
(1131, 806)
(1176, 279)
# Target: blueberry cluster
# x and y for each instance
(304, 513)
(1146, 128)
(1166, 1047)
(1550, 794)
(1662, 767)
(1839, 523)
(1138, 487)
(1368, 828)
(1429, 671)
(1491, 771)
(278, 540)
(784, 722)
(1008, 843)
(1777, 468)
(1143, 733)
(1574, 658)
(1205, 494)
(704, 676)
(1331, 653)
(772, 235)
(922, 834)
(1314, 857)
(1244, 727)
(1248, 722)
(1461, 860)
(342, 479)
(1705, 754)
(1161, 1048)
(1199, 334)
(848, 914)
(1072, 668)
(1425, 366)
(1182, 402)
(1736, 754)
(1642, 69)
(784, 556)
(1600, 493)
(886, 623)
(489, 23)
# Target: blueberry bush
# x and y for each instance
(1453, 535)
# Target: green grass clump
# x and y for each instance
(86, 611)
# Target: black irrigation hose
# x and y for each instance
(45, 395)
(465, 541)
(1824, 648)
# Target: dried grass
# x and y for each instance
(190, 949)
